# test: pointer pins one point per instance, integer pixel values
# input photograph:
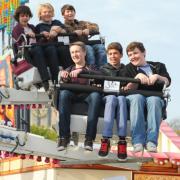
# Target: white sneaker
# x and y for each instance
(151, 147)
(88, 145)
(62, 144)
(138, 147)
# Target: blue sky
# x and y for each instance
(155, 23)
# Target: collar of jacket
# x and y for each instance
(152, 66)
(109, 66)
(49, 23)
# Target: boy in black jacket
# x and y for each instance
(148, 73)
(115, 106)
(57, 55)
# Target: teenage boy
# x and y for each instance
(67, 97)
(148, 72)
(115, 106)
(96, 54)
(50, 28)
(37, 58)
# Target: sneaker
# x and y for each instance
(51, 92)
(105, 147)
(75, 137)
(46, 85)
(88, 144)
(151, 147)
(122, 150)
(138, 147)
(63, 143)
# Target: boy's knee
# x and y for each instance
(111, 98)
(137, 98)
(95, 96)
(50, 49)
(156, 101)
(122, 99)
(64, 95)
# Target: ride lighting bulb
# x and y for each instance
(31, 157)
(9, 106)
(47, 160)
(40, 106)
(23, 156)
(3, 107)
(6, 154)
(28, 106)
(16, 107)
(34, 106)
(39, 159)
(55, 161)
(22, 106)
(14, 154)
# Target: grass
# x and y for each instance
(43, 131)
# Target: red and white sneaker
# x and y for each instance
(122, 150)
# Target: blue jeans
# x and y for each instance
(115, 107)
(96, 54)
(142, 132)
(66, 98)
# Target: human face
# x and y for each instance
(46, 14)
(23, 19)
(77, 55)
(136, 57)
(69, 15)
(114, 57)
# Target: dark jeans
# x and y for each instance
(66, 98)
(51, 55)
(37, 59)
(64, 56)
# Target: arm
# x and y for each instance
(130, 72)
(104, 71)
(164, 75)
(88, 27)
(155, 77)
(91, 69)
(93, 27)
(160, 74)
(64, 75)
(40, 29)
(32, 34)
(16, 32)
(56, 28)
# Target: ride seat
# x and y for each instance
(25, 74)
(79, 119)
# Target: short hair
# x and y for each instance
(45, 5)
(22, 10)
(67, 7)
(115, 45)
(134, 45)
(78, 43)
